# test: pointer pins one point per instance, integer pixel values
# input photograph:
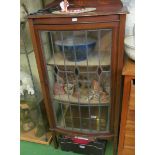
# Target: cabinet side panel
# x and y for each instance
(120, 55)
(42, 73)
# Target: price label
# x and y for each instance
(93, 117)
(74, 19)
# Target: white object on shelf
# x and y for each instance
(130, 46)
(26, 83)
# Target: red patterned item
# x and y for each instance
(96, 86)
(59, 89)
(80, 140)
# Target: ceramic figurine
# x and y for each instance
(26, 83)
(69, 88)
(59, 86)
(64, 4)
(90, 97)
(96, 86)
(59, 79)
(76, 92)
(96, 92)
(85, 84)
(104, 97)
(59, 89)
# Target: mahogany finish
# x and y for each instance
(110, 16)
(99, 4)
(60, 20)
(127, 127)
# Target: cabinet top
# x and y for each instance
(103, 7)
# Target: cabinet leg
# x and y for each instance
(55, 141)
(115, 146)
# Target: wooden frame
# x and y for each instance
(40, 23)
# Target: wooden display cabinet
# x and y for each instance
(81, 71)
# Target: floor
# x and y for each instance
(28, 148)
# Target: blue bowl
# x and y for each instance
(76, 49)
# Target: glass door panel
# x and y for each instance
(79, 74)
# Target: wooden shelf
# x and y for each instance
(30, 136)
(129, 67)
(74, 100)
(92, 60)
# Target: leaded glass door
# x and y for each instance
(79, 68)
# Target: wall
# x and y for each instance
(130, 20)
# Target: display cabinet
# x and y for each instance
(81, 71)
(34, 126)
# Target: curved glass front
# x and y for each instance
(79, 74)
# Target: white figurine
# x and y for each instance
(26, 83)
(64, 4)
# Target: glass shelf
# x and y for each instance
(82, 101)
(92, 61)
